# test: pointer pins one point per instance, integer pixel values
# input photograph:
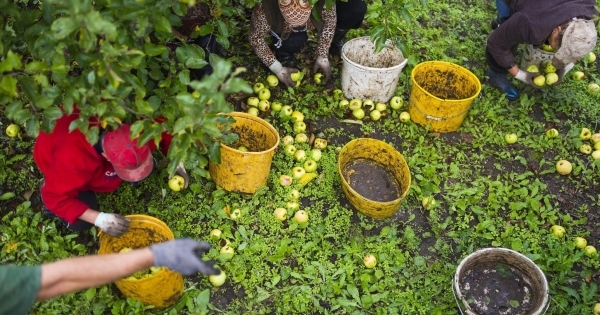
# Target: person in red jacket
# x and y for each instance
(75, 170)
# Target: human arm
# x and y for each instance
(502, 40)
(329, 17)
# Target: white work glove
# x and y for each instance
(562, 72)
(112, 224)
(283, 73)
(322, 63)
(183, 256)
(527, 78)
(181, 172)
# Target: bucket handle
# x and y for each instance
(460, 308)
(439, 118)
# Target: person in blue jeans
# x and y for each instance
(566, 25)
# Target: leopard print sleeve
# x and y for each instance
(329, 20)
(259, 27)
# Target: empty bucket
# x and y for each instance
(367, 75)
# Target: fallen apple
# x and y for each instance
(242, 148)
(299, 127)
(287, 110)
(511, 138)
(215, 234)
(298, 116)
(253, 111)
(597, 146)
(369, 104)
(580, 242)
(355, 104)
(551, 78)
(300, 155)
(590, 250)
(264, 94)
(12, 130)
(264, 105)
(272, 80)
(344, 104)
(358, 113)
(591, 57)
(217, 280)
(276, 106)
(285, 180)
(318, 77)
(298, 171)
(375, 115)
(280, 214)
(585, 149)
(585, 134)
(320, 143)
(301, 216)
(290, 150)
(176, 183)
(315, 154)
(595, 138)
(532, 68)
(235, 214)
(252, 101)
(310, 166)
(597, 309)
(396, 102)
(292, 205)
(596, 155)
(564, 167)
(380, 106)
(257, 87)
(557, 231)
(294, 194)
(540, 80)
(287, 140)
(578, 75)
(593, 88)
(227, 252)
(404, 117)
(552, 133)
(428, 203)
(370, 261)
(301, 138)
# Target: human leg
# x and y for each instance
(503, 14)
(289, 46)
(350, 15)
(497, 77)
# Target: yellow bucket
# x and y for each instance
(381, 154)
(245, 172)
(441, 95)
(162, 289)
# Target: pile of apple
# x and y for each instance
(579, 242)
(263, 94)
(376, 110)
(550, 77)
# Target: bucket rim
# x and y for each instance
(384, 203)
(456, 280)
(469, 73)
(260, 121)
(388, 42)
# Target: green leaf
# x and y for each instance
(214, 152)
(353, 292)
(52, 113)
(7, 196)
(154, 50)
(162, 24)
(184, 77)
(9, 86)
(222, 28)
(63, 27)
(203, 298)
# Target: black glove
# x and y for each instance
(183, 256)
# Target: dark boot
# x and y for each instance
(287, 60)
(338, 41)
(501, 83)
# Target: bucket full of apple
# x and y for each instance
(500, 281)
(160, 287)
(441, 95)
(370, 75)
(245, 164)
(375, 177)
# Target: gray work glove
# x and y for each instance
(181, 172)
(527, 78)
(322, 63)
(112, 224)
(562, 72)
(183, 256)
(283, 73)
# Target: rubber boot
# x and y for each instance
(501, 83)
(338, 41)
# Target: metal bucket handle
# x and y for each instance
(459, 304)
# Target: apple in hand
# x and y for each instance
(300, 155)
(301, 138)
(375, 115)
(287, 110)
(215, 234)
(590, 250)
(264, 94)
(358, 113)
(264, 105)
(298, 115)
(298, 171)
(318, 77)
(176, 183)
(532, 68)
(557, 230)
(287, 140)
(299, 127)
(252, 101)
(285, 180)
(227, 252)
(551, 78)
(370, 261)
(296, 76)
(257, 87)
(540, 80)
(310, 166)
(315, 154)
(290, 150)
(552, 133)
(320, 143)
(280, 214)
(580, 242)
(585, 134)
(511, 138)
(253, 111)
(396, 102)
(12, 130)
(564, 167)
(585, 149)
(404, 117)
(272, 80)
(217, 280)
(301, 216)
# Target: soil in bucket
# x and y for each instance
(372, 181)
(250, 139)
(496, 288)
(442, 84)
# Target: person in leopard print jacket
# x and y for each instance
(288, 22)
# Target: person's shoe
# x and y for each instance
(47, 213)
(287, 60)
(501, 83)
(338, 41)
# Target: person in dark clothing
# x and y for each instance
(567, 26)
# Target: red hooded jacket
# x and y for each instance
(70, 164)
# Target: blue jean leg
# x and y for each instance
(503, 9)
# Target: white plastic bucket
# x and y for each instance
(366, 75)
(509, 265)
(535, 56)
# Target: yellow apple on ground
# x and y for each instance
(597, 309)
(597, 146)
(552, 133)
(585, 134)
(591, 57)
(252, 101)
(593, 88)
(253, 111)
(280, 214)
(428, 203)
(595, 138)
(320, 144)
(215, 234)
(264, 94)
(580, 242)
(370, 261)
(564, 167)
(217, 280)
(301, 216)
(585, 149)
(176, 183)
(557, 230)
(596, 155)
(511, 138)
(578, 75)
(272, 80)
(396, 102)
(257, 87)
(404, 117)
(298, 116)
(12, 130)
(590, 250)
